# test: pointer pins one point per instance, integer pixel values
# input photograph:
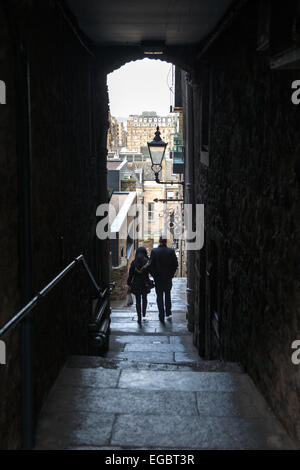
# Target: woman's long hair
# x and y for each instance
(141, 257)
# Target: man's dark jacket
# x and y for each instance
(163, 264)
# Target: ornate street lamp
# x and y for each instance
(157, 150)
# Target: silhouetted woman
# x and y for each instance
(138, 280)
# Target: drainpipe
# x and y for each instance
(188, 178)
(25, 247)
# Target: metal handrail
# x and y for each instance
(27, 380)
(13, 322)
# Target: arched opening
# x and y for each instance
(143, 95)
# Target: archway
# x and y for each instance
(146, 89)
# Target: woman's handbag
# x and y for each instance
(129, 298)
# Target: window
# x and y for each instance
(170, 195)
(151, 211)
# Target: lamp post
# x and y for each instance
(157, 149)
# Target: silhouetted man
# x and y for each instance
(163, 265)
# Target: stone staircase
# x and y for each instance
(152, 391)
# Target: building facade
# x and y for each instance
(116, 135)
(141, 129)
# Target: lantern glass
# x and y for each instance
(157, 149)
(157, 154)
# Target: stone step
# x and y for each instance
(142, 409)
(94, 362)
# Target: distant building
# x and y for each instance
(141, 129)
(116, 135)
(129, 170)
(116, 171)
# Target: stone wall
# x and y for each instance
(251, 194)
(68, 99)
(9, 300)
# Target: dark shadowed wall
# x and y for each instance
(246, 289)
(67, 170)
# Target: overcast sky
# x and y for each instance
(140, 86)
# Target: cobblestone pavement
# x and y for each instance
(153, 391)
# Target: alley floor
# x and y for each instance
(153, 391)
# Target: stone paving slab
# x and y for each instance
(189, 381)
(147, 327)
(198, 433)
(155, 347)
(120, 315)
(90, 362)
(237, 404)
(153, 316)
(155, 355)
(131, 327)
(147, 356)
(128, 339)
(64, 429)
(187, 356)
(137, 331)
(151, 311)
(121, 401)
(96, 378)
(186, 340)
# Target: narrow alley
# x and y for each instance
(102, 153)
(152, 391)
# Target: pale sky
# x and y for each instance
(140, 86)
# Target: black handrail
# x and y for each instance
(13, 322)
(99, 339)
